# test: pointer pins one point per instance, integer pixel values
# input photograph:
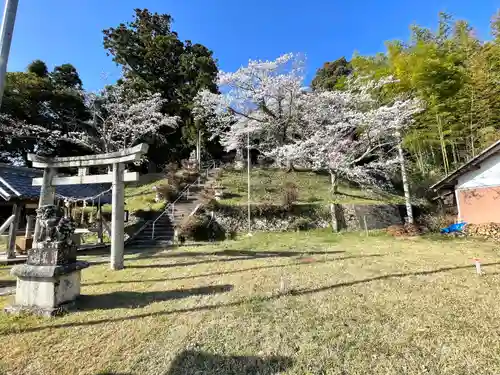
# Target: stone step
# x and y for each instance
(160, 227)
(149, 241)
(150, 235)
(164, 227)
(157, 234)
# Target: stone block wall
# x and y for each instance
(350, 217)
(353, 217)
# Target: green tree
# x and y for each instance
(437, 67)
(154, 59)
(39, 68)
(33, 101)
(332, 75)
(67, 76)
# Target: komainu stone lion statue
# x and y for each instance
(54, 227)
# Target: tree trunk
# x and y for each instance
(335, 222)
(404, 178)
(443, 145)
(334, 182)
(420, 159)
(289, 166)
(454, 153)
(472, 146)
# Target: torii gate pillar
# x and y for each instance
(117, 179)
(117, 226)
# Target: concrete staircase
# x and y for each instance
(164, 225)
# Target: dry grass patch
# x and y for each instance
(292, 303)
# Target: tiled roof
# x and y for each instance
(16, 182)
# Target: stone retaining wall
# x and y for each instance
(354, 217)
(350, 217)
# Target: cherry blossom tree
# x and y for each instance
(119, 121)
(396, 118)
(337, 136)
(260, 99)
(20, 131)
(346, 133)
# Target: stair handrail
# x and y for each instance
(171, 206)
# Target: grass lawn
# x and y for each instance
(292, 303)
(267, 187)
(141, 197)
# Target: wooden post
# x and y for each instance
(366, 226)
(11, 248)
(117, 226)
(47, 195)
(30, 219)
(100, 237)
(82, 217)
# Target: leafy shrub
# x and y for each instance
(202, 228)
(177, 181)
(302, 224)
(168, 192)
(208, 198)
(290, 194)
(188, 176)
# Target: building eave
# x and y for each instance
(450, 180)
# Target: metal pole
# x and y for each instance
(248, 179)
(199, 149)
(9, 19)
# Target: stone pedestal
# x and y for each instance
(49, 283)
(46, 290)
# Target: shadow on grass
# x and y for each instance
(128, 251)
(171, 265)
(309, 262)
(231, 195)
(249, 254)
(195, 362)
(126, 299)
(239, 256)
(298, 292)
(106, 251)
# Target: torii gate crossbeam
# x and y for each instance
(117, 178)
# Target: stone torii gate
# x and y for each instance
(118, 177)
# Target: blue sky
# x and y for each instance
(61, 31)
